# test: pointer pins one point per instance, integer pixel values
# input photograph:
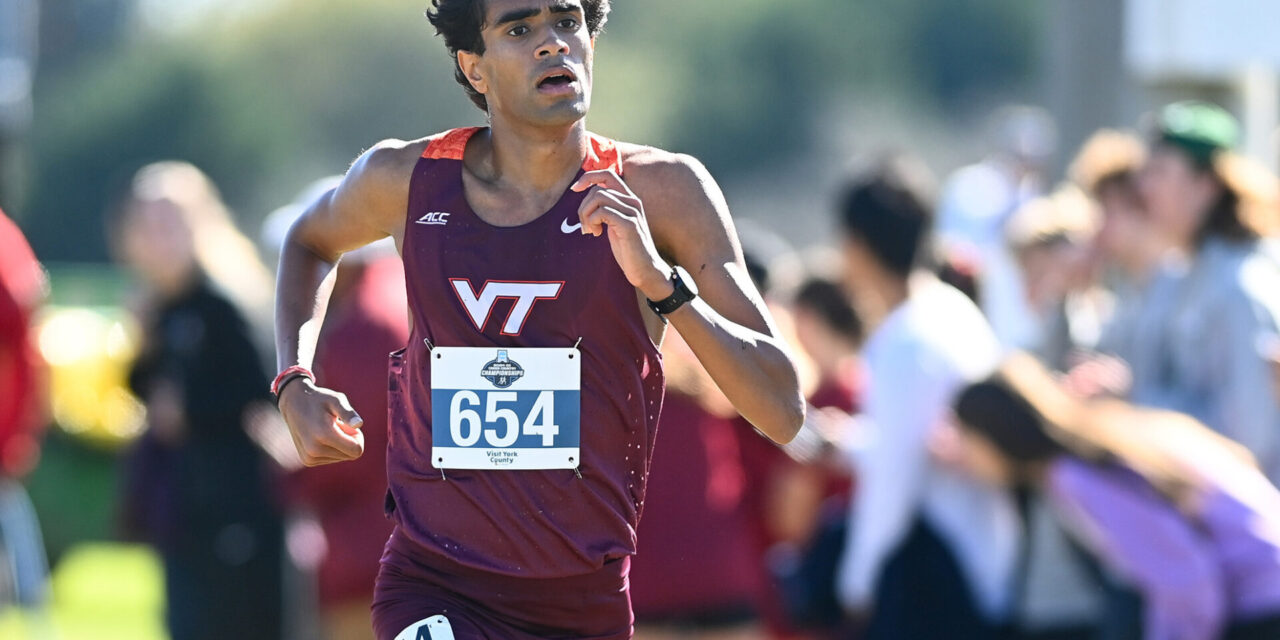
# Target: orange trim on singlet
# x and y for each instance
(449, 145)
(602, 153)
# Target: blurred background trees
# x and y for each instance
(266, 96)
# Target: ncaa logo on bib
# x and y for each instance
(502, 371)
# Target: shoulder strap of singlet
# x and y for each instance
(602, 153)
(449, 145)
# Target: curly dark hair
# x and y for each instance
(461, 21)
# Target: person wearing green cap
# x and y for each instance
(1220, 289)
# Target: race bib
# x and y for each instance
(517, 409)
(433, 628)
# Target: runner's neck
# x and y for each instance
(526, 159)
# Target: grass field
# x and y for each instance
(99, 592)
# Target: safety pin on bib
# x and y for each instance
(577, 471)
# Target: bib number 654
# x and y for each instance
(502, 425)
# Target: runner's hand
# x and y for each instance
(612, 207)
(324, 427)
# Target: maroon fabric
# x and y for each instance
(413, 586)
(366, 323)
(531, 524)
(841, 393)
(695, 560)
(765, 464)
(21, 285)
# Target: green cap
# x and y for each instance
(1199, 128)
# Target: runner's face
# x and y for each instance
(537, 60)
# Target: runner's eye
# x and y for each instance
(568, 23)
(518, 31)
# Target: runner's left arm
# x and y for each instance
(682, 218)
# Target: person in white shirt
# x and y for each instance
(975, 207)
(930, 553)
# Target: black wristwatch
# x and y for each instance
(685, 291)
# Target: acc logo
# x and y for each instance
(435, 217)
(502, 371)
(480, 304)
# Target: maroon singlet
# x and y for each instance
(526, 524)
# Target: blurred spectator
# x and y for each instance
(228, 259)
(977, 202)
(783, 496)
(960, 271)
(810, 502)
(277, 223)
(1051, 238)
(1174, 510)
(772, 263)
(23, 568)
(196, 487)
(367, 319)
(1272, 349)
(1213, 207)
(1106, 168)
(697, 574)
(930, 552)
(1132, 255)
(22, 289)
(829, 332)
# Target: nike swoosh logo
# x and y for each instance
(565, 227)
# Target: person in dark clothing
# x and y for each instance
(196, 487)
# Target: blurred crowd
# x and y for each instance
(1039, 408)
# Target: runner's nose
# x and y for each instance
(553, 45)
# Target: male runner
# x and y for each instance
(539, 265)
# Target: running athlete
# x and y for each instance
(539, 261)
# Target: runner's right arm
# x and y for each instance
(368, 205)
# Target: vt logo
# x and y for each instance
(480, 304)
(435, 217)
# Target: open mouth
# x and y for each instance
(557, 79)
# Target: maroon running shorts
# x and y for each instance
(414, 585)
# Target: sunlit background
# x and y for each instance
(777, 98)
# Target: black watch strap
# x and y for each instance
(677, 299)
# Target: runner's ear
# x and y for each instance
(469, 63)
